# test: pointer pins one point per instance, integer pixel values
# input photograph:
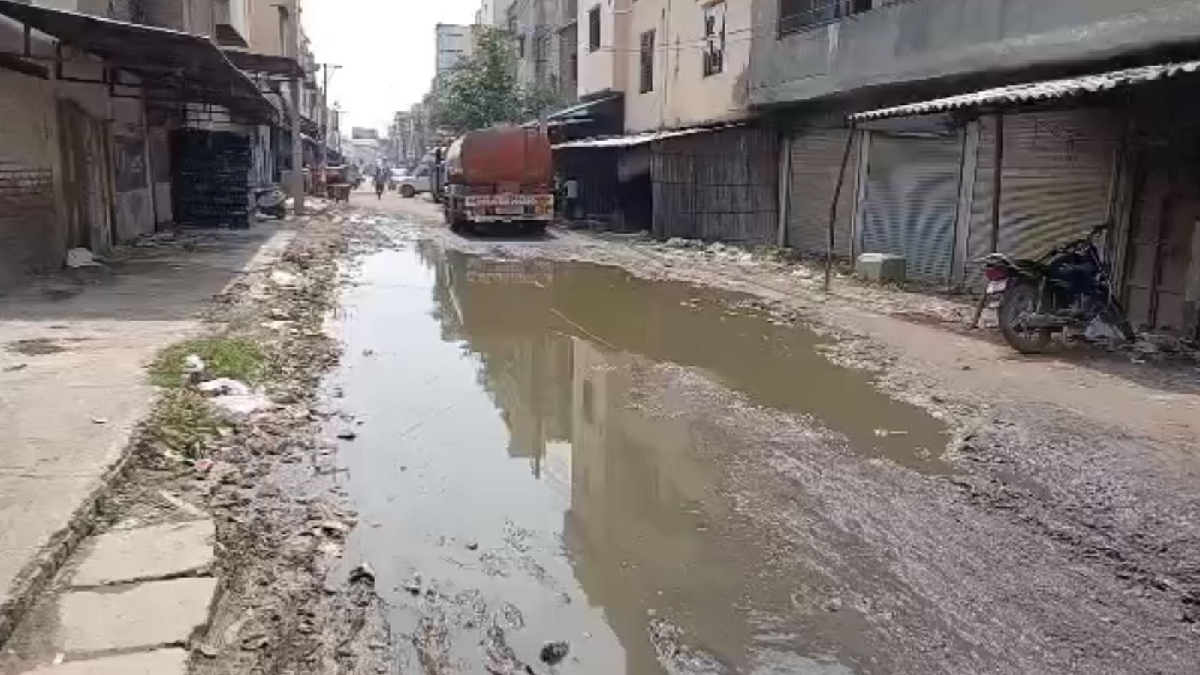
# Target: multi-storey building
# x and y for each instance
(972, 166)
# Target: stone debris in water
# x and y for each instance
(554, 652)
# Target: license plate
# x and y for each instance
(513, 210)
(998, 286)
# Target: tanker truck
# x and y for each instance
(499, 175)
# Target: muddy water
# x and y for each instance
(523, 472)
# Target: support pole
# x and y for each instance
(997, 180)
(833, 207)
(997, 191)
(297, 177)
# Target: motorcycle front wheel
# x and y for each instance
(1020, 301)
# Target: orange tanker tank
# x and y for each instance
(502, 174)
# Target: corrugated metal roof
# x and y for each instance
(639, 139)
(1036, 91)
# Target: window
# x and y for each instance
(798, 15)
(714, 38)
(520, 46)
(646, 62)
(594, 28)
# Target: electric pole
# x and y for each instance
(297, 177)
(324, 162)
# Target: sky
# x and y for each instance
(385, 49)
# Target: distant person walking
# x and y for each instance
(381, 180)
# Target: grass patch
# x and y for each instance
(235, 358)
(185, 422)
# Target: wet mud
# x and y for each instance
(528, 466)
(665, 478)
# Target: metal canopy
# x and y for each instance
(639, 139)
(265, 64)
(192, 66)
(1034, 92)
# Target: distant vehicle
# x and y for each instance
(502, 174)
(412, 185)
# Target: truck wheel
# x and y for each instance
(407, 191)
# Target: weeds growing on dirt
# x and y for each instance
(235, 358)
(184, 421)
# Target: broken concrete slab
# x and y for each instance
(158, 662)
(168, 550)
(148, 615)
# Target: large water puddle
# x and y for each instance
(518, 481)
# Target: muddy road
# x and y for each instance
(560, 467)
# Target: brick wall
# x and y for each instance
(28, 228)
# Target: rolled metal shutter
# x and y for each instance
(816, 160)
(1056, 183)
(911, 204)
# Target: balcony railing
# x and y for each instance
(801, 15)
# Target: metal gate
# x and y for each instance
(816, 160)
(911, 201)
(1056, 183)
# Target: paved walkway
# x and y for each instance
(130, 607)
(73, 387)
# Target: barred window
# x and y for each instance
(714, 38)
(798, 15)
(646, 62)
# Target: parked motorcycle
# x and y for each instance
(1068, 287)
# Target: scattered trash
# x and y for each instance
(225, 387)
(59, 658)
(414, 586)
(347, 434)
(204, 466)
(99, 420)
(832, 605)
(193, 369)
(362, 573)
(285, 279)
(81, 257)
(884, 433)
(472, 546)
(554, 652)
(208, 651)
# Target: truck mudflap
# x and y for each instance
(509, 207)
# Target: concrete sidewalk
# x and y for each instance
(73, 386)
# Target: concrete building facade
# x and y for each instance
(453, 44)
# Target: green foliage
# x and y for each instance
(483, 89)
(235, 358)
(184, 422)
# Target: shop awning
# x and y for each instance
(584, 110)
(191, 68)
(1034, 92)
(639, 139)
(280, 67)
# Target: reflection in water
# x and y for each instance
(618, 522)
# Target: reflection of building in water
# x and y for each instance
(502, 316)
(641, 506)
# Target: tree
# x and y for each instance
(482, 90)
